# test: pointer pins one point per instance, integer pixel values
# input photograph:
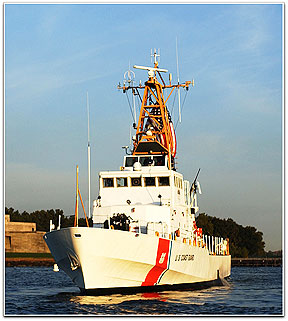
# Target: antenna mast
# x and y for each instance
(155, 132)
(178, 81)
(88, 150)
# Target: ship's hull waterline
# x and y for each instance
(104, 260)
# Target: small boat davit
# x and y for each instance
(144, 236)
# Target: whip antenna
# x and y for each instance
(178, 81)
(88, 150)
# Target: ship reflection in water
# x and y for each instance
(170, 302)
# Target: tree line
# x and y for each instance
(243, 241)
(42, 218)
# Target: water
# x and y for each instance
(40, 291)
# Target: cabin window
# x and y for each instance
(159, 160)
(146, 161)
(121, 181)
(149, 181)
(108, 182)
(163, 181)
(129, 162)
(136, 181)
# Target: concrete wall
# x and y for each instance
(25, 242)
(22, 237)
(18, 226)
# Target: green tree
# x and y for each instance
(243, 241)
(42, 218)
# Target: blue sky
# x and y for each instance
(232, 118)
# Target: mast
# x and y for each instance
(77, 198)
(88, 151)
(155, 131)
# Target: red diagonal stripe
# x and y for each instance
(160, 264)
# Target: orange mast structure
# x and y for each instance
(155, 131)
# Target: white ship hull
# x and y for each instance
(103, 259)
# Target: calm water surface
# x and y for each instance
(40, 291)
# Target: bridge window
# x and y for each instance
(149, 181)
(146, 161)
(159, 160)
(121, 181)
(136, 181)
(108, 182)
(129, 162)
(163, 181)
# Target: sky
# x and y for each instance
(231, 121)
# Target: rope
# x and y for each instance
(130, 106)
(83, 208)
(173, 103)
(138, 105)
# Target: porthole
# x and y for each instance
(136, 181)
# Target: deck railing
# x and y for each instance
(214, 244)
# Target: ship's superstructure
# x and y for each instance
(144, 231)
